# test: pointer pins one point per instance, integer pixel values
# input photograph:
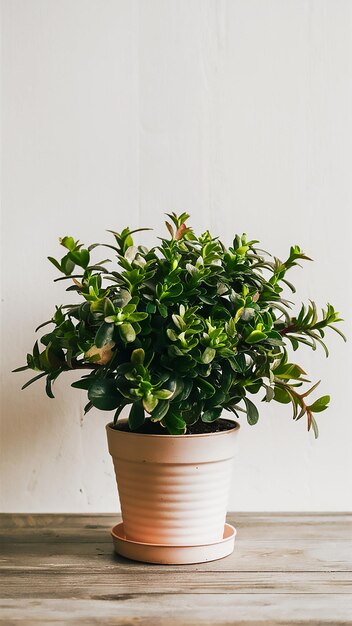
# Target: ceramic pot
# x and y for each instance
(173, 489)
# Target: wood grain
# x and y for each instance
(286, 569)
(185, 610)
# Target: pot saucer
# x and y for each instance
(173, 555)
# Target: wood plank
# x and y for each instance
(265, 543)
(247, 557)
(54, 583)
(286, 569)
(254, 525)
(183, 610)
(78, 520)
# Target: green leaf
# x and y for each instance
(192, 415)
(104, 334)
(174, 425)
(160, 411)
(84, 383)
(162, 309)
(137, 317)
(55, 262)
(87, 408)
(315, 427)
(171, 334)
(339, 332)
(217, 399)
(67, 265)
(75, 256)
(320, 405)
(294, 342)
(85, 256)
(184, 387)
(109, 309)
(289, 371)
(170, 384)
(238, 363)
(253, 387)
(118, 411)
(149, 402)
(211, 414)
(122, 298)
(44, 323)
(137, 356)
(255, 336)
(29, 382)
(226, 378)
(269, 393)
(127, 332)
(174, 351)
(207, 390)
(163, 394)
(173, 292)
(68, 242)
(21, 369)
(208, 355)
(103, 394)
(48, 389)
(136, 417)
(281, 395)
(252, 412)
(178, 321)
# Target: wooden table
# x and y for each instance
(286, 569)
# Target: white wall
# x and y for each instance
(117, 111)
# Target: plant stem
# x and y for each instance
(289, 329)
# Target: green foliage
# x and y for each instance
(181, 331)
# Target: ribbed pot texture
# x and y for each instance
(173, 489)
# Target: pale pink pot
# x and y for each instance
(173, 489)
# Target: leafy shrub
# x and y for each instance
(181, 331)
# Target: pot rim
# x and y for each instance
(236, 426)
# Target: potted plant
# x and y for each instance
(170, 337)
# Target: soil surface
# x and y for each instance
(200, 428)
